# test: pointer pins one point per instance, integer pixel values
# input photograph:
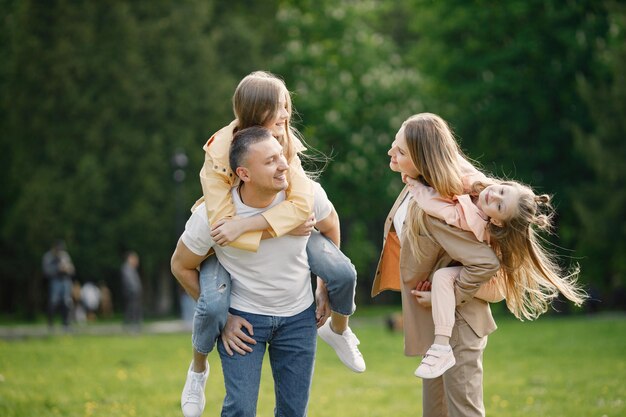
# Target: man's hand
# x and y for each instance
(234, 338)
(423, 294)
(305, 228)
(225, 231)
(322, 305)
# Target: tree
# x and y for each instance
(98, 97)
(352, 91)
(600, 202)
(504, 74)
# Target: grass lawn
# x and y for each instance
(557, 366)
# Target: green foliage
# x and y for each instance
(504, 74)
(600, 203)
(95, 98)
(352, 92)
(530, 369)
(98, 98)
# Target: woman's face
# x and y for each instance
(499, 202)
(277, 123)
(400, 158)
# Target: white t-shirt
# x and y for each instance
(273, 281)
(400, 217)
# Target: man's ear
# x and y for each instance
(243, 174)
(495, 221)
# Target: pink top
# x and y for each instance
(460, 211)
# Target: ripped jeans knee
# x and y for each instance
(212, 307)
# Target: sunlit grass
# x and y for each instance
(553, 367)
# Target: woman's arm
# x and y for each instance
(479, 261)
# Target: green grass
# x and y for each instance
(554, 367)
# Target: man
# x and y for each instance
(271, 299)
(132, 290)
(58, 269)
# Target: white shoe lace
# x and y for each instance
(194, 394)
(353, 342)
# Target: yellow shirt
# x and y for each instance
(217, 179)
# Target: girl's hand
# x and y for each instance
(225, 231)
(411, 182)
(305, 228)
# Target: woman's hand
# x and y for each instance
(322, 305)
(423, 294)
(305, 228)
(234, 338)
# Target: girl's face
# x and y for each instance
(499, 202)
(400, 158)
(277, 124)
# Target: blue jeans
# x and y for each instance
(325, 261)
(60, 297)
(291, 343)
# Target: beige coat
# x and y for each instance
(446, 246)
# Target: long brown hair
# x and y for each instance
(256, 101)
(530, 275)
(434, 152)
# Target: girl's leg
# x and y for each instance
(208, 321)
(335, 269)
(440, 357)
(211, 309)
(490, 292)
(443, 303)
(339, 275)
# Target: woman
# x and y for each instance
(425, 146)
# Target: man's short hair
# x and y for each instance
(242, 141)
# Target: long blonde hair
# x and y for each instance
(256, 101)
(434, 152)
(530, 277)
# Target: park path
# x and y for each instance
(42, 330)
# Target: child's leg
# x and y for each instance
(443, 303)
(339, 275)
(208, 321)
(211, 310)
(439, 357)
(335, 269)
(490, 292)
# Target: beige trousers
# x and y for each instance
(458, 392)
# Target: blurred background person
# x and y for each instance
(90, 300)
(58, 269)
(106, 301)
(131, 289)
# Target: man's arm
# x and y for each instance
(184, 264)
(479, 261)
(329, 227)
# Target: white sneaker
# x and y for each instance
(345, 346)
(192, 400)
(435, 363)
